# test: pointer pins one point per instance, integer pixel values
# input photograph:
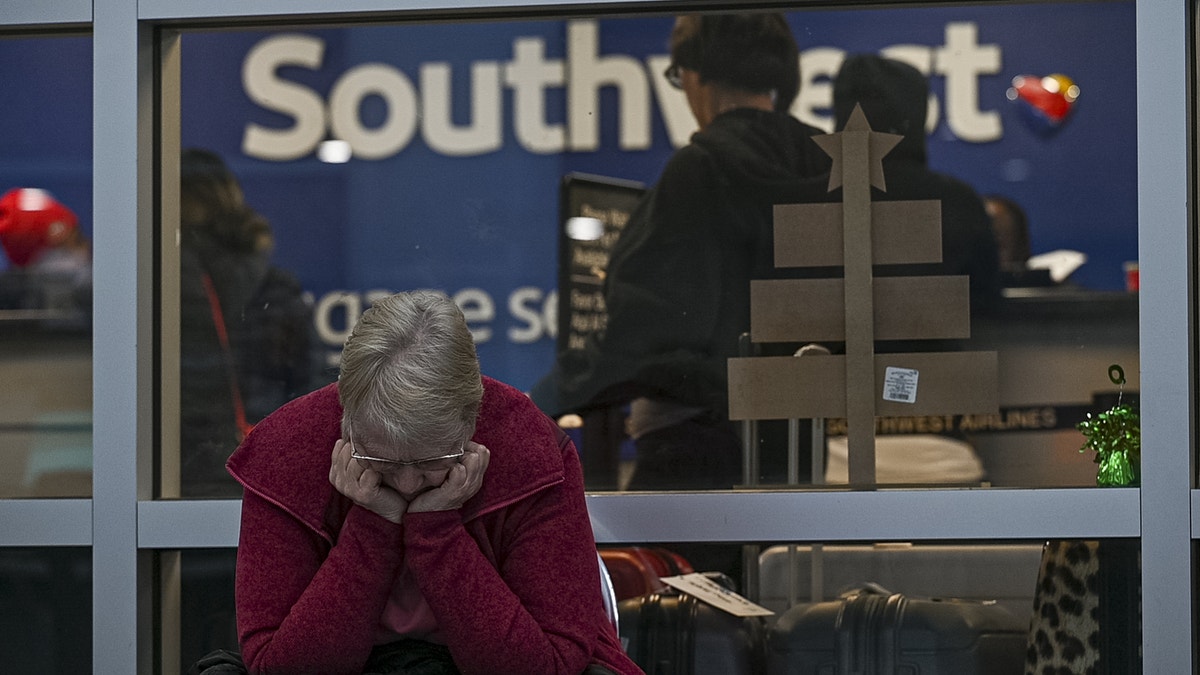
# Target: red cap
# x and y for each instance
(32, 221)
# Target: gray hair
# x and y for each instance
(409, 370)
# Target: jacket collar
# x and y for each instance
(285, 460)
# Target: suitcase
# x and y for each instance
(1006, 573)
(869, 632)
(673, 633)
(637, 570)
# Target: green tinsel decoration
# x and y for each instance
(1116, 438)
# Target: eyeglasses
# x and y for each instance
(674, 78)
(428, 464)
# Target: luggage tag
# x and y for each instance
(703, 588)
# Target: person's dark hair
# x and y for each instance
(894, 97)
(210, 199)
(1011, 227)
(750, 52)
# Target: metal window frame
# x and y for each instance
(123, 525)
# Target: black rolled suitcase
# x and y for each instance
(867, 632)
(673, 633)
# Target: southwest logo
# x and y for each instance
(1045, 102)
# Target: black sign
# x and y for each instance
(594, 211)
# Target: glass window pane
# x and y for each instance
(1062, 601)
(381, 159)
(344, 163)
(45, 267)
(207, 619)
(46, 610)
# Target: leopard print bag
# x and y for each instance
(1087, 610)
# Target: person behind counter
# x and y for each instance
(1011, 228)
(677, 288)
(417, 510)
(895, 99)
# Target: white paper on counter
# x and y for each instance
(1061, 263)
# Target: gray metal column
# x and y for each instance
(122, 351)
(1164, 246)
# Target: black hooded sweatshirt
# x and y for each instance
(894, 98)
(678, 282)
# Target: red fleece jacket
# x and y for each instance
(511, 577)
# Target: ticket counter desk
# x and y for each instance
(1054, 349)
(45, 404)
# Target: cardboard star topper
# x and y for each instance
(879, 144)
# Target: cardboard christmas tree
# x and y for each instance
(859, 308)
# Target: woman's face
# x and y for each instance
(409, 470)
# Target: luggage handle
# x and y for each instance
(867, 630)
(866, 588)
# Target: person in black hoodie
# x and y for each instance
(677, 288)
(895, 97)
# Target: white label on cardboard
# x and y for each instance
(900, 385)
(718, 596)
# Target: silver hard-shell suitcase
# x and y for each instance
(873, 632)
(1006, 573)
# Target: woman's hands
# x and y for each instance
(461, 483)
(441, 490)
(364, 486)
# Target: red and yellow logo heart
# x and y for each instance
(1047, 101)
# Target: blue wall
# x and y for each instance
(483, 223)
